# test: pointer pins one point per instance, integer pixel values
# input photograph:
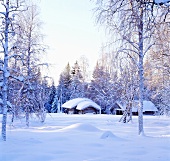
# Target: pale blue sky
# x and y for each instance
(69, 26)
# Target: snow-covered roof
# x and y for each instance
(81, 104)
(123, 107)
(147, 106)
(74, 102)
(84, 104)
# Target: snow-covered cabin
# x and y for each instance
(148, 108)
(81, 106)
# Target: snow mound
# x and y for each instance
(81, 127)
(109, 135)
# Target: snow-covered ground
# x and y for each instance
(87, 138)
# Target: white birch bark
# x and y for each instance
(6, 30)
(5, 72)
(141, 71)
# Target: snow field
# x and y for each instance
(87, 138)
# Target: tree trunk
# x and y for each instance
(5, 72)
(140, 109)
(141, 71)
(27, 116)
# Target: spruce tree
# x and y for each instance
(102, 88)
(63, 88)
(77, 85)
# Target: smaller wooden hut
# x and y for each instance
(148, 108)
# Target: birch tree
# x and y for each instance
(30, 44)
(157, 69)
(131, 23)
(19, 41)
(129, 83)
(84, 65)
(8, 11)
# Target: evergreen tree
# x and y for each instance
(63, 89)
(102, 89)
(51, 105)
(77, 85)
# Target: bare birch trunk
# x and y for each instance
(141, 73)
(130, 112)
(5, 72)
(27, 116)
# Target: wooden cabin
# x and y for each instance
(148, 108)
(81, 106)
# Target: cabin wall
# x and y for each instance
(89, 110)
(72, 111)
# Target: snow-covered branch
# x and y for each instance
(148, 48)
(127, 51)
(14, 55)
(133, 43)
(3, 13)
(18, 78)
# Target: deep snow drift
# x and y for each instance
(86, 138)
